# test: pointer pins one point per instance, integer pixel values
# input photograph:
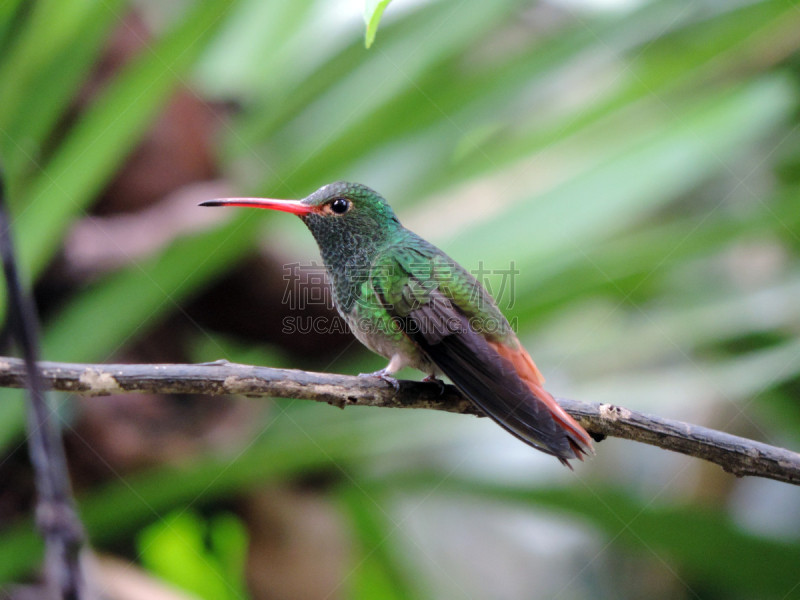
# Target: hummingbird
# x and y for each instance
(408, 301)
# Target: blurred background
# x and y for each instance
(626, 177)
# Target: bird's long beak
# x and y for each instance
(296, 207)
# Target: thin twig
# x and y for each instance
(737, 455)
(55, 512)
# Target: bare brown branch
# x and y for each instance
(737, 455)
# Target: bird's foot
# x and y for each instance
(384, 375)
(433, 379)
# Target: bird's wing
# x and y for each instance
(451, 318)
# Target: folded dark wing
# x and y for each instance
(444, 332)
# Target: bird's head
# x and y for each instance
(335, 211)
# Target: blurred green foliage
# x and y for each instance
(206, 558)
(640, 166)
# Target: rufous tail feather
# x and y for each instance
(579, 440)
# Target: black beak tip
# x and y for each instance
(210, 203)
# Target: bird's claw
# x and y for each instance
(433, 379)
(382, 374)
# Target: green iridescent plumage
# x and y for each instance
(369, 254)
(408, 301)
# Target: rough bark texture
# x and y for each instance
(736, 455)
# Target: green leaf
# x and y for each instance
(373, 10)
(123, 304)
(48, 64)
(227, 538)
(649, 171)
(8, 12)
(104, 136)
(174, 548)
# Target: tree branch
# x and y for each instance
(736, 455)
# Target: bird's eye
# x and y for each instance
(340, 206)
